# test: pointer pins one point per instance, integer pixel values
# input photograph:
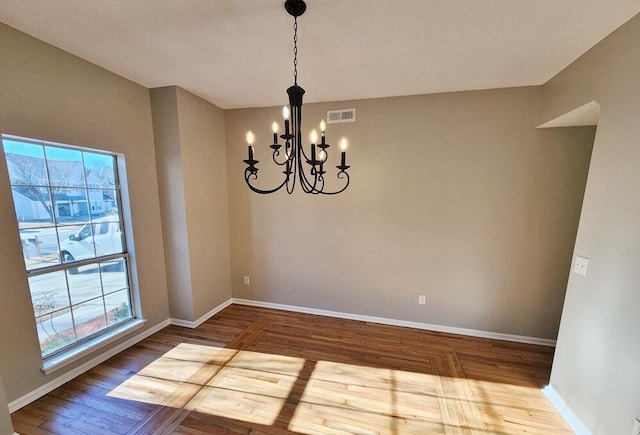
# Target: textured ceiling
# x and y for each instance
(238, 53)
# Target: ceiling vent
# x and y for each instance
(342, 115)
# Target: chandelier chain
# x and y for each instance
(295, 51)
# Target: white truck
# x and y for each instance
(96, 239)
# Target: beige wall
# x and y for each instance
(45, 93)
(597, 358)
(455, 196)
(166, 131)
(6, 428)
(204, 154)
(190, 139)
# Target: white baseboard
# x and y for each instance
(66, 377)
(404, 323)
(565, 412)
(202, 319)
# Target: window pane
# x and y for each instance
(66, 232)
(65, 167)
(25, 162)
(79, 245)
(108, 238)
(39, 247)
(50, 301)
(118, 307)
(114, 275)
(55, 331)
(89, 317)
(103, 204)
(32, 205)
(48, 292)
(99, 170)
(70, 205)
(84, 285)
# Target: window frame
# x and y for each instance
(77, 348)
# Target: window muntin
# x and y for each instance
(67, 202)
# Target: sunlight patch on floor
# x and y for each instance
(172, 379)
(242, 385)
(333, 397)
(343, 398)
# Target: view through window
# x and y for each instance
(67, 202)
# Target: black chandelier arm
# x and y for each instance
(303, 154)
(276, 153)
(290, 179)
(318, 184)
(307, 186)
(340, 175)
(318, 190)
(304, 182)
(299, 154)
(291, 185)
(252, 174)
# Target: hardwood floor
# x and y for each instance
(258, 371)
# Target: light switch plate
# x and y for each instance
(582, 264)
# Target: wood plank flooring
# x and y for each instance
(251, 370)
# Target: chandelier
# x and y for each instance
(309, 169)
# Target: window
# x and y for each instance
(67, 202)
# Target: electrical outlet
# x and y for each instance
(247, 280)
(582, 264)
(422, 299)
(636, 427)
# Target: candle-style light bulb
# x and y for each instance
(314, 136)
(274, 127)
(250, 138)
(322, 127)
(343, 154)
(343, 144)
(285, 115)
(322, 156)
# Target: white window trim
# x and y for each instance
(55, 363)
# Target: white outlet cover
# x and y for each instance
(582, 264)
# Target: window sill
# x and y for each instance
(57, 362)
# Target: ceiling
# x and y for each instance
(239, 53)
